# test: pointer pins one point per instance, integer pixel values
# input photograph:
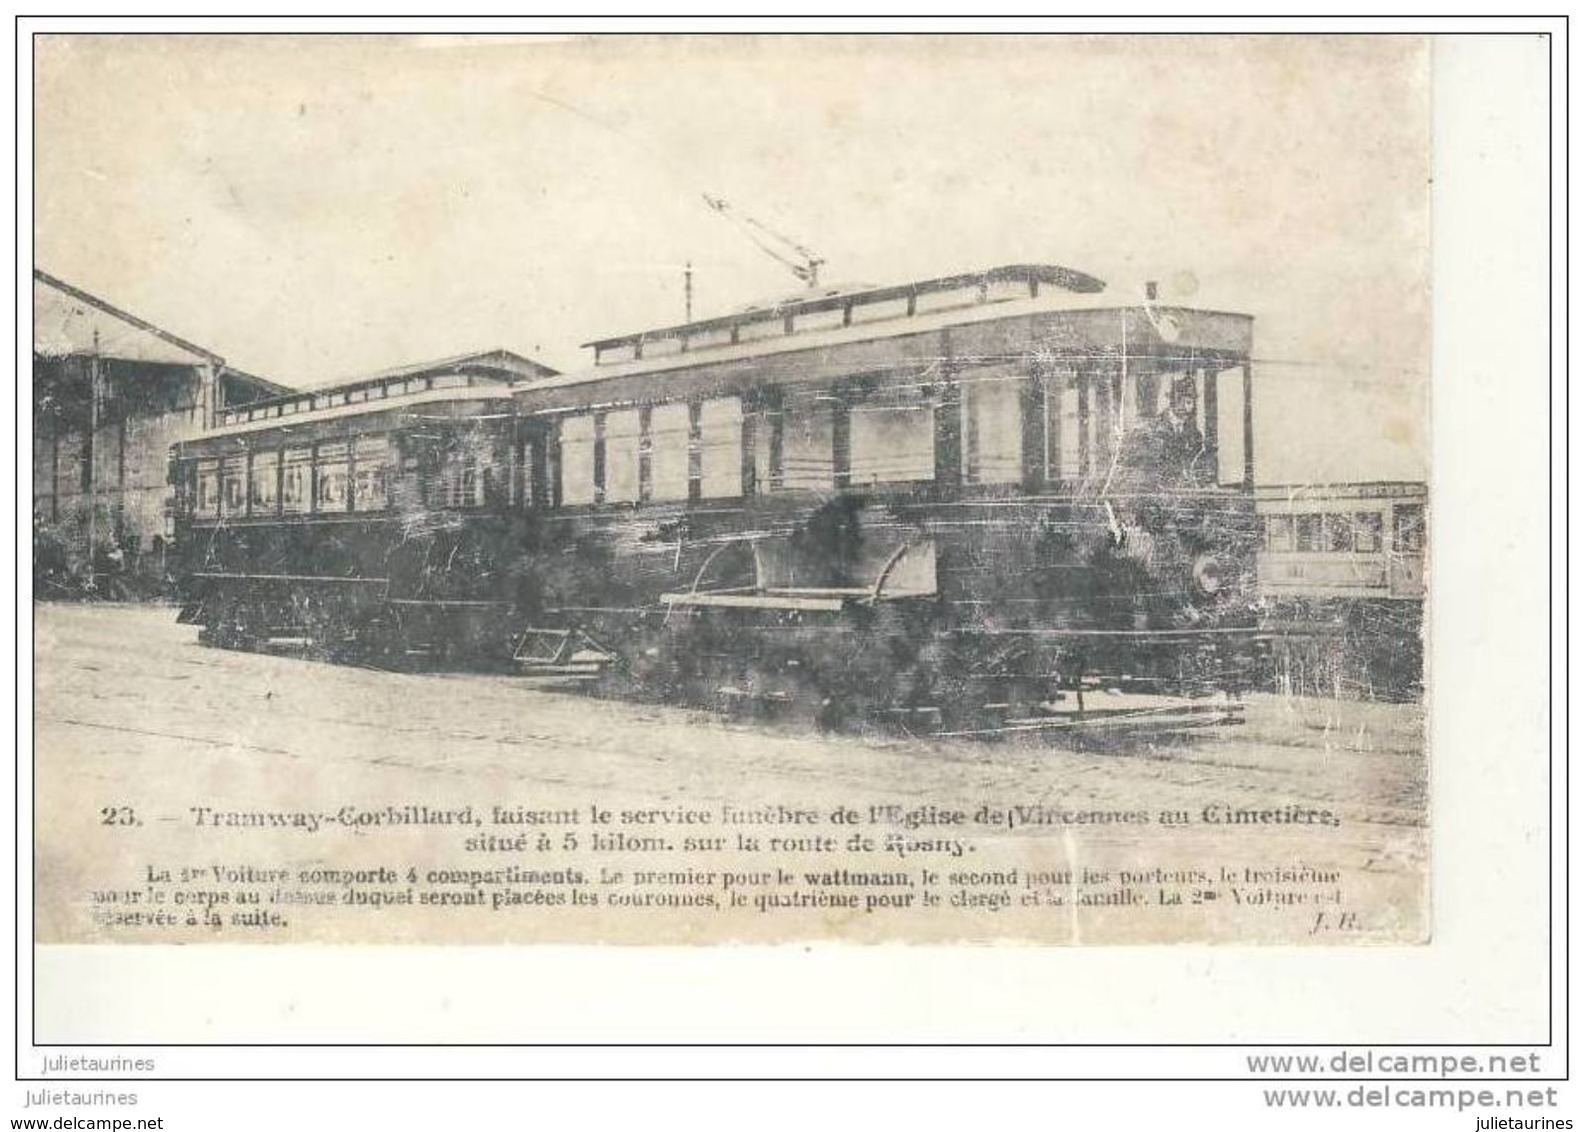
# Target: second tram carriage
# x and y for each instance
(1342, 574)
(962, 502)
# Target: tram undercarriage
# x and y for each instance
(894, 666)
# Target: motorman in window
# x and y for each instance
(1169, 449)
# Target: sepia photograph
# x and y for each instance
(729, 489)
(841, 568)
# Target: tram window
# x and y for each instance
(233, 484)
(621, 456)
(668, 452)
(297, 480)
(1367, 531)
(1408, 528)
(992, 429)
(720, 448)
(331, 475)
(1061, 425)
(465, 473)
(577, 460)
(695, 448)
(528, 480)
(262, 481)
(1052, 387)
(660, 347)
(208, 505)
(645, 454)
(946, 300)
(769, 455)
(1151, 394)
(182, 481)
(493, 473)
(1223, 423)
(1105, 419)
(1339, 533)
(807, 443)
(1278, 533)
(459, 482)
(368, 488)
(761, 328)
(893, 443)
(332, 487)
(1308, 528)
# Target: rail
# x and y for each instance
(315, 578)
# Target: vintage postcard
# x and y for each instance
(655, 490)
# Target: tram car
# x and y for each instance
(966, 499)
(1353, 541)
(1341, 571)
(976, 503)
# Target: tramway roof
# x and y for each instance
(1009, 281)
